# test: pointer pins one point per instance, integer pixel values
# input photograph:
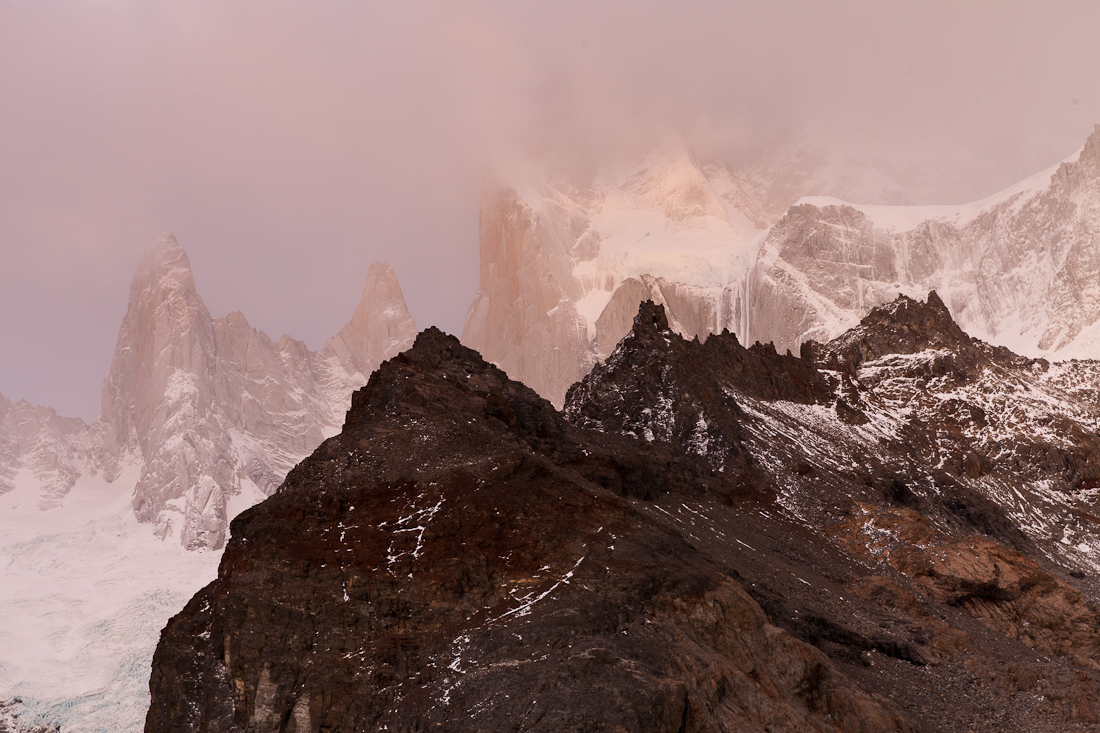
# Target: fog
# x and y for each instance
(289, 145)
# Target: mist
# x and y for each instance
(289, 146)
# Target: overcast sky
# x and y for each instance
(288, 145)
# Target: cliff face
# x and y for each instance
(563, 269)
(891, 532)
(528, 294)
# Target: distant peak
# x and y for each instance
(381, 289)
(165, 265)
(380, 326)
(167, 240)
(380, 272)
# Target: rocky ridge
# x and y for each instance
(892, 531)
(961, 470)
(461, 556)
(1014, 269)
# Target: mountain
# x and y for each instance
(1017, 269)
(892, 531)
(216, 410)
(209, 412)
(201, 418)
(461, 556)
(563, 268)
(38, 452)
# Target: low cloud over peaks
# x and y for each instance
(289, 146)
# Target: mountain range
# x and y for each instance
(563, 269)
(930, 464)
(206, 415)
(894, 531)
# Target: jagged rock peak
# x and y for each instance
(380, 327)
(164, 265)
(438, 364)
(438, 352)
(432, 344)
(904, 326)
(688, 391)
(651, 317)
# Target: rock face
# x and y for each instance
(893, 531)
(563, 270)
(209, 412)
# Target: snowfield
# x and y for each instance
(84, 593)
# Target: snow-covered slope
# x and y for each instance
(563, 270)
(84, 591)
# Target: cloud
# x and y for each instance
(289, 145)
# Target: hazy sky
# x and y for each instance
(288, 145)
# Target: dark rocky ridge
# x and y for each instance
(866, 538)
(640, 389)
(463, 558)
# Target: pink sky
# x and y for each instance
(289, 145)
